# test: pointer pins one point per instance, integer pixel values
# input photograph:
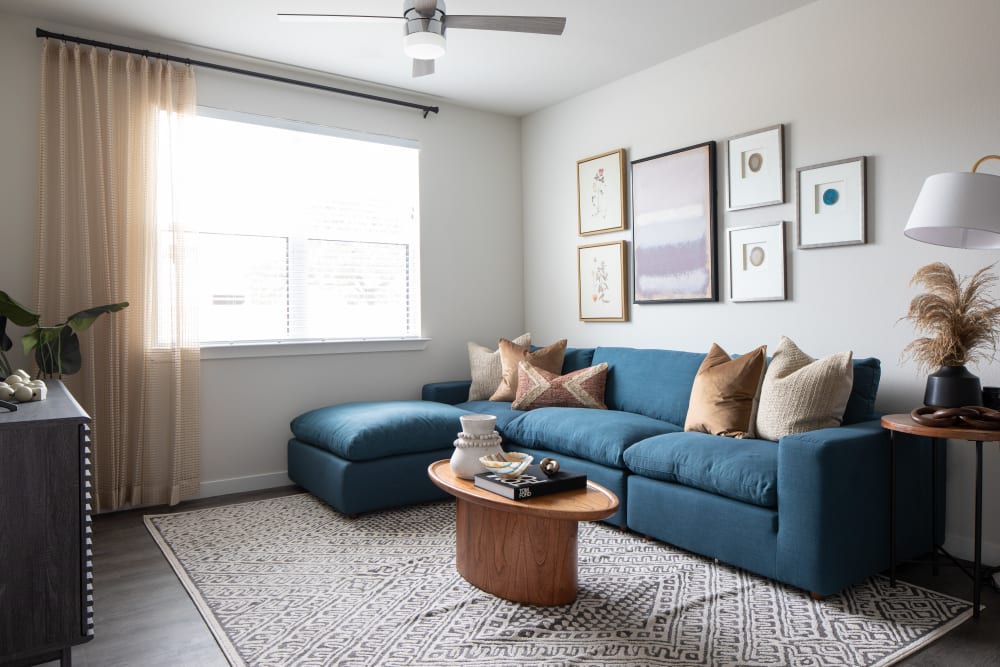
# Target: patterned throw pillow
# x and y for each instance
(802, 394)
(487, 369)
(725, 393)
(537, 388)
(549, 358)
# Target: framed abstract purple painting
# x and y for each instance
(673, 226)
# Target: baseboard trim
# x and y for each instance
(222, 487)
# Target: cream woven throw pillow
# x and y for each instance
(487, 368)
(802, 394)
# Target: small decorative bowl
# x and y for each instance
(509, 465)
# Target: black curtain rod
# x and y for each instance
(235, 70)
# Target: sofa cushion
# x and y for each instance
(725, 392)
(577, 358)
(600, 436)
(537, 388)
(803, 394)
(654, 383)
(861, 404)
(744, 470)
(549, 358)
(487, 369)
(374, 430)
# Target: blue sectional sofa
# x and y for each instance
(810, 510)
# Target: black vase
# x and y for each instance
(952, 387)
(991, 397)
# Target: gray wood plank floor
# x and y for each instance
(145, 618)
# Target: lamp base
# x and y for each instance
(952, 387)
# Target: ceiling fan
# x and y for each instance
(425, 23)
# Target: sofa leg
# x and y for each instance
(817, 596)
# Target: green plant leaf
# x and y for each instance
(30, 340)
(81, 321)
(17, 313)
(58, 351)
(41, 336)
(5, 342)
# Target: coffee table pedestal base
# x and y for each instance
(516, 556)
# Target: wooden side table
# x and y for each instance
(903, 423)
(520, 550)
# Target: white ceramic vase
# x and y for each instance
(478, 438)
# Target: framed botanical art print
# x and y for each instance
(832, 203)
(673, 226)
(756, 169)
(757, 262)
(600, 192)
(601, 282)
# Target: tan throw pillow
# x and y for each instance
(802, 394)
(724, 393)
(537, 388)
(487, 369)
(549, 358)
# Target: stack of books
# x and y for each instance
(531, 484)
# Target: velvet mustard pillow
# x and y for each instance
(549, 358)
(487, 369)
(538, 388)
(724, 393)
(802, 394)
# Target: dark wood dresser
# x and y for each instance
(46, 580)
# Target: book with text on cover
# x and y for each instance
(531, 484)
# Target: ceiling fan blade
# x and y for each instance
(337, 18)
(422, 67)
(542, 25)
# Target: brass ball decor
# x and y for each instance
(549, 466)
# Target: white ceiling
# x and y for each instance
(498, 71)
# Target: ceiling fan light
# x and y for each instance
(424, 45)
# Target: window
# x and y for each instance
(305, 233)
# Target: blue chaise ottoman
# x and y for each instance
(361, 457)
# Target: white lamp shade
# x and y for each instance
(958, 210)
(424, 45)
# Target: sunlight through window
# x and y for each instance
(306, 233)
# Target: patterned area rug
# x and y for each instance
(289, 581)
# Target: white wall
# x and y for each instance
(910, 83)
(470, 201)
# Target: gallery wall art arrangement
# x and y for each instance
(672, 201)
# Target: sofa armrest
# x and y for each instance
(833, 504)
(453, 392)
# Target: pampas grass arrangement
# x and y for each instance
(960, 319)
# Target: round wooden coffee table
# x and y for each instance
(525, 550)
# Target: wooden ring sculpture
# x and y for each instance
(974, 416)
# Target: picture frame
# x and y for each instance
(601, 284)
(674, 243)
(755, 173)
(832, 203)
(757, 262)
(600, 193)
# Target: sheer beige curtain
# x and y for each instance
(111, 131)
